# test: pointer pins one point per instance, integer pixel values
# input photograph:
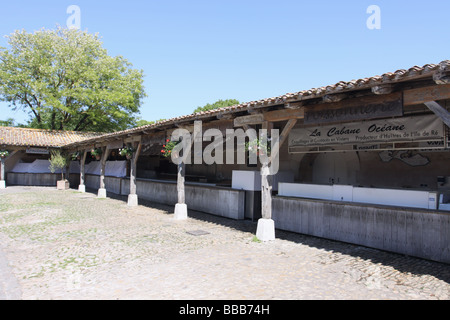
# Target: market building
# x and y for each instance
(364, 162)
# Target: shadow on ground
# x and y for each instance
(402, 263)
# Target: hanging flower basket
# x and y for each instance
(96, 153)
(258, 146)
(76, 156)
(127, 152)
(4, 153)
(168, 148)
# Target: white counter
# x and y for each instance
(390, 197)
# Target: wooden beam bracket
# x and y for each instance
(440, 111)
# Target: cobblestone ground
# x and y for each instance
(70, 245)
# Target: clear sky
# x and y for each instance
(195, 52)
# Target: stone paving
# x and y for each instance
(69, 245)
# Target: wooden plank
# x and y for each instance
(284, 114)
(427, 94)
(249, 120)
(117, 144)
(440, 111)
(362, 108)
(132, 139)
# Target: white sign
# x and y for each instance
(411, 129)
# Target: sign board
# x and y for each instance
(427, 129)
(37, 151)
(249, 120)
(357, 109)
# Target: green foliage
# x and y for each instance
(258, 146)
(218, 104)
(141, 122)
(96, 152)
(127, 152)
(7, 123)
(66, 80)
(58, 161)
(168, 147)
(4, 153)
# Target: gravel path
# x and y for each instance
(71, 245)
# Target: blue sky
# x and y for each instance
(196, 52)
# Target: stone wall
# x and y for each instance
(211, 199)
(415, 232)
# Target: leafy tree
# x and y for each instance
(218, 104)
(65, 80)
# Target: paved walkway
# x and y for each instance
(69, 245)
(9, 287)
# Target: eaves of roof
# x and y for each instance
(25, 137)
(401, 75)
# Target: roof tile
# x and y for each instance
(41, 138)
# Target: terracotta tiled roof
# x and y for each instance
(30, 137)
(401, 75)
(41, 138)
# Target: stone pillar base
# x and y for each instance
(101, 193)
(180, 211)
(132, 200)
(62, 185)
(2, 184)
(82, 188)
(265, 230)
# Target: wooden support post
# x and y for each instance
(102, 189)
(265, 230)
(181, 207)
(180, 182)
(266, 226)
(82, 186)
(266, 192)
(132, 197)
